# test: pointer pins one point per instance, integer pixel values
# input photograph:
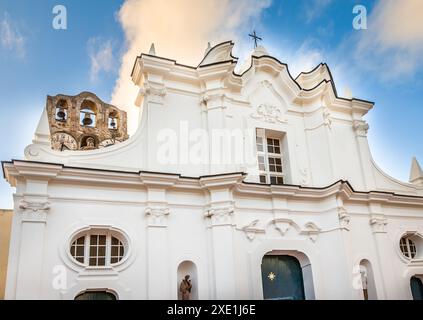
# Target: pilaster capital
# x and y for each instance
(344, 218)
(34, 211)
(157, 215)
(155, 93)
(360, 127)
(378, 224)
(220, 215)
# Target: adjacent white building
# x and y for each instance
(256, 184)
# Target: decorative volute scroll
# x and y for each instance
(360, 127)
(327, 120)
(157, 215)
(219, 53)
(220, 215)
(34, 211)
(252, 229)
(311, 230)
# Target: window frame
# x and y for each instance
(109, 234)
(409, 248)
(264, 136)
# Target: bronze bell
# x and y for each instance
(113, 123)
(87, 121)
(61, 114)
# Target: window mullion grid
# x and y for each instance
(266, 159)
(279, 156)
(87, 250)
(108, 249)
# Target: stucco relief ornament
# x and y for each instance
(34, 206)
(205, 98)
(283, 225)
(344, 218)
(378, 225)
(220, 215)
(304, 176)
(361, 128)
(156, 94)
(268, 113)
(157, 215)
(33, 211)
(32, 151)
(312, 231)
(252, 229)
(327, 121)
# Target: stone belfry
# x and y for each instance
(84, 122)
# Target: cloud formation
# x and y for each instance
(180, 29)
(314, 8)
(10, 37)
(393, 43)
(101, 57)
(305, 58)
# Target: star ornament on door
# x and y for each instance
(271, 276)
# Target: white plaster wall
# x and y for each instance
(332, 255)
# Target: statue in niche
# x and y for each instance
(185, 287)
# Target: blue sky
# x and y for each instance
(37, 60)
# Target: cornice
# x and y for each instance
(61, 173)
(220, 181)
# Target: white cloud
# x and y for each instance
(101, 57)
(11, 38)
(180, 30)
(314, 8)
(305, 58)
(393, 43)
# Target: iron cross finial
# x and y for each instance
(255, 37)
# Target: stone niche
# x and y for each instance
(84, 122)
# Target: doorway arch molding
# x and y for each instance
(296, 248)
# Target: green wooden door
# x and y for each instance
(96, 295)
(282, 278)
(416, 288)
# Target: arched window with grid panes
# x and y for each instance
(97, 248)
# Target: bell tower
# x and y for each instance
(84, 122)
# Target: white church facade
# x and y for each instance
(256, 184)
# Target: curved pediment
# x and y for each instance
(310, 79)
(219, 53)
(219, 63)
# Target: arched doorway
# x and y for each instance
(367, 280)
(416, 288)
(282, 278)
(96, 295)
(188, 268)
